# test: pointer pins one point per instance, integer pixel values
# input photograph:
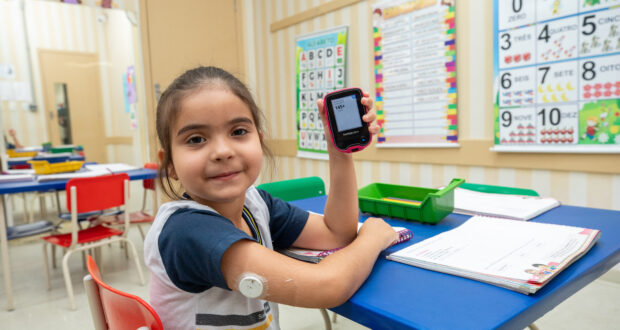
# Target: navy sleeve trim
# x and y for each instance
(286, 221)
(191, 245)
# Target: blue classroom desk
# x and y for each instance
(28, 186)
(399, 296)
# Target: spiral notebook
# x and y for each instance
(315, 256)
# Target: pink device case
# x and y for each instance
(350, 149)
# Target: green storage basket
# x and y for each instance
(410, 203)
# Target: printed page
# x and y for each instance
(112, 168)
(68, 176)
(508, 206)
(16, 177)
(525, 251)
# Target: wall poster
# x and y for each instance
(557, 75)
(415, 73)
(320, 68)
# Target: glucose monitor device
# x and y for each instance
(251, 285)
(344, 110)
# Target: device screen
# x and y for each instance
(346, 113)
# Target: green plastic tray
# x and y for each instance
(58, 150)
(410, 203)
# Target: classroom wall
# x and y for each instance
(30, 126)
(58, 26)
(574, 179)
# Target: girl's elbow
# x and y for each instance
(336, 292)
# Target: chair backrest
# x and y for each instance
(150, 183)
(114, 309)
(294, 189)
(98, 193)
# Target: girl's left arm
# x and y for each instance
(338, 226)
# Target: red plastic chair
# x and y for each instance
(114, 309)
(139, 217)
(88, 194)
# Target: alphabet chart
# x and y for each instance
(415, 75)
(321, 68)
(557, 75)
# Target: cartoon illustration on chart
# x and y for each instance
(549, 9)
(599, 122)
(596, 4)
(591, 128)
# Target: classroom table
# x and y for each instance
(399, 296)
(28, 186)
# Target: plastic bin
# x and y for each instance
(14, 154)
(44, 167)
(58, 150)
(409, 203)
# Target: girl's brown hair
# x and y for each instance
(169, 106)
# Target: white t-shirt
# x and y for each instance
(183, 251)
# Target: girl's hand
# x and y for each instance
(369, 117)
(379, 230)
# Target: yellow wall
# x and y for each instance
(575, 179)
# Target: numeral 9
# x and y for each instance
(506, 118)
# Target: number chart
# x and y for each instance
(557, 75)
(415, 74)
(321, 68)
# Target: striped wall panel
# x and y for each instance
(271, 73)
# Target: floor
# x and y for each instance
(595, 307)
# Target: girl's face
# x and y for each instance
(215, 145)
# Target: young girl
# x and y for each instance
(210, 252)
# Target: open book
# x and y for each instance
(521, 256)
(315, 256)
(516, 207)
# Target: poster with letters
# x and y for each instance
(320, 68)
(557, 75)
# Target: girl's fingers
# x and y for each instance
(367, 101)
(319, 105)
(374, 128)
(370, 116)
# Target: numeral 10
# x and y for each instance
(554, 116)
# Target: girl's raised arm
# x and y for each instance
(338, 226)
